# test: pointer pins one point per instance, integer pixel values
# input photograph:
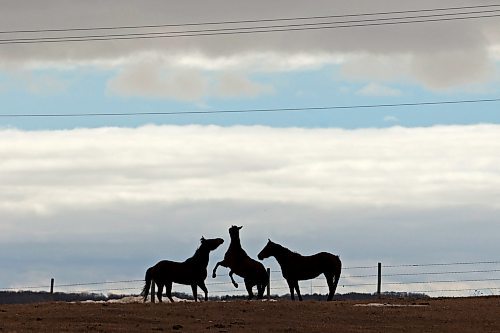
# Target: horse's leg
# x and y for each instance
(194, 287)
(260, 290)
(232, 279)
(249, 286)
(160, 291)
(291, 285)
(296, 284)
(332, 284)
(201, 284)
(168, 290)
(220, 263)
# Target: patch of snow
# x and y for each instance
(136, 299)
(390, 305)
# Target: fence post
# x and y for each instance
(152, 291)
(379, 281)
(268, 283)
(52, 286)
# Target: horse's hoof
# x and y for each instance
(235, 285)
(214, 276)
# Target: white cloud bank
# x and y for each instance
(111, 201)
(423, 166)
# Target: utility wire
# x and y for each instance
(444, 264)
(441, 281)
(247, 21)
(450, 290)
(440, 273)
(313, 108)
(234, 31)
(240, 29)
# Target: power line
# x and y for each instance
(450, 290)
(284, 109)
(441, 281)
(241, 29)
(249, 21)
(442, 273)
(252, 30)
(424, 273)
(444, 264)
(97, 283)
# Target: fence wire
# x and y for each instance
(395, 278)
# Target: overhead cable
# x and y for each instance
(245, 29)
(284, 109)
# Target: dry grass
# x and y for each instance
(435, 315)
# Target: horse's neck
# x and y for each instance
(235, 249)
(235, 242)
(200, 256)
(282, 254)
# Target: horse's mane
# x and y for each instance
(196, 253)
(281, 247)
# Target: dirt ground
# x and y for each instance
(480, 314)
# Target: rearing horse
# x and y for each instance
(295, 267)
(239, 263)
(192, 271)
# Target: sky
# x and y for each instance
(101, 198)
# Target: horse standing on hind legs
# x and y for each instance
(239, 263)
(295, 267)
(192, 272)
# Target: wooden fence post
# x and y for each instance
(268, 283)
(52, 286)
(379, 280)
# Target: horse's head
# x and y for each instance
(267, 251)
(234, 231)
(211, 243)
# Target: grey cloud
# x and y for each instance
(234, 85)
(147, 80)
(459, 67)
(422, 42)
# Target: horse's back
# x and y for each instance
(178, 272)
(246, 267)
(330, 262)
(309, 267)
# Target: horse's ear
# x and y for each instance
(269, 240)
(202, 239)
(240, 227)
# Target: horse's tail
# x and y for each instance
(262, 283)
(337, 271)
(147, 284)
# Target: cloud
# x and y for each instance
(437, 56)
(391, 119)
(39, 83)
(447, 69)
(152, 80)
(374, 89)
(313, 167)
(111, 201)
(104, 204)
(149, 80)
(46, 172)
(234, 85)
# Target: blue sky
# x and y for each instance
(85, 91)
(103, 198)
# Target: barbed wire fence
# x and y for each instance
(477, 278)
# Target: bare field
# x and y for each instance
(480, 314)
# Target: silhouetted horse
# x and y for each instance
(295, 267)
(239, 263)
(192, 272)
